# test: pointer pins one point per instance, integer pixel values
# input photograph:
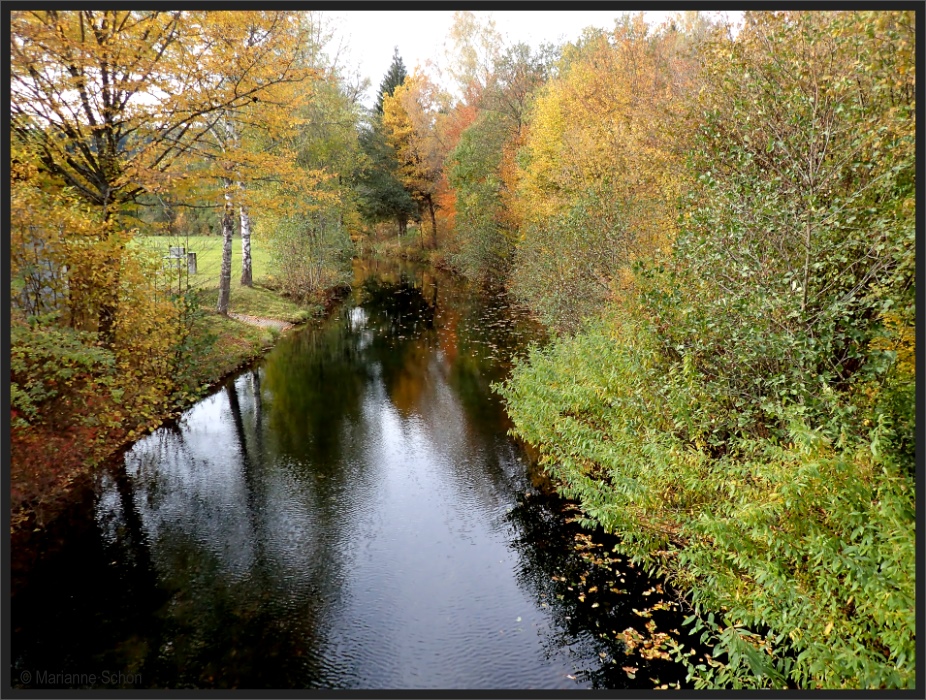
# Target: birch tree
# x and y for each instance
(113, 100)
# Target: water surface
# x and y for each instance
(349, 513)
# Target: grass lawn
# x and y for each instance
(235, 344)
(258, 300)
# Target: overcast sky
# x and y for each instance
(369, 37)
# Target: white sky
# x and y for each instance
(369, 37)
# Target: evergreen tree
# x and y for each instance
(382, 194)
(395, 76)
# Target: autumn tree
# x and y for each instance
(517, 73)
(600, 172)
(452, 125)
(410, 117)
(113, 99)
(244, 148)
(472, 48)
(743, 414)
(802, 217)
(482, 166)
(383, 196)
(309, 232)
(71, 398)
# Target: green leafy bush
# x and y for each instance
(485, 243)
(804, 548)
(311, 253)
(50, 363)
(746, 420)
(566, 265)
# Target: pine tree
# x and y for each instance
(395, 76)
(382, 194)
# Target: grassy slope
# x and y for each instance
(236, 342)
(259, 300)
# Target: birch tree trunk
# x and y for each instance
(228, 221)
(246, 275)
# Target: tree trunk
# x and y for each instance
(433, 223)
(250, 478)
(246, 275)
(232, 392)
(110, 293)
(228, 228)
(258, 410)
(403, 225)
(108, 307)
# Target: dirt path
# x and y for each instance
(262, 322)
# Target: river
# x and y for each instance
(348, 513)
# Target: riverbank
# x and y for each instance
(50, 459)
(172, 564)
(408, 248)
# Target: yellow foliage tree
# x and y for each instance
(411, 118)
(606, 137)
(111, 101)
(611, 123)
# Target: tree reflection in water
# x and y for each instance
(349, 513)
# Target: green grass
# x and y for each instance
(208, 251)
(235, 344)
(259, 300)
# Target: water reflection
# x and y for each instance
(351, 513)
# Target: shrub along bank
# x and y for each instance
(742, 411)
(73, 405)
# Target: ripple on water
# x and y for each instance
(336, 518)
